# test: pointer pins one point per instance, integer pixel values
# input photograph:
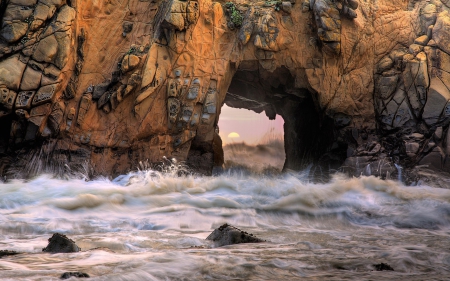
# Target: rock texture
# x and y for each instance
(68, 275)
(230, 235)
(60, 243)
(100, 85)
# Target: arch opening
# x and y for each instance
(310, 138)
(251, 140)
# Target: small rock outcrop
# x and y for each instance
(60, 243)
(382, 266)
(229, 235)
(4, 253)
(67, 275)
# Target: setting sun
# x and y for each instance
(233, 135)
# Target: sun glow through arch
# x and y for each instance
(233, 135)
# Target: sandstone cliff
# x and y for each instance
(361, 85)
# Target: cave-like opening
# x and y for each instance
(251, 140)
(309, 135)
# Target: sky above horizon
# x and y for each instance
(252, 128)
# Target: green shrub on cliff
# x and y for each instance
(235, 17)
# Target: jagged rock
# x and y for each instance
(229, 235)
(67, 275)
(4, 253)
(59, 243)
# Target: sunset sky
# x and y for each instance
(250, 126)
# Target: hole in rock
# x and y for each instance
(308, 136)
(251, 140)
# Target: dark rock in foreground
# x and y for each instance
(382, 267)
(67, 275)
(4, 253)
(60, 243)
(229, 235)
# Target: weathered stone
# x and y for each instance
(129, 63)
(193, 91)
(385, 64)
(422, 40)
(41, 13)
(434, 159)
(428, 16)
(67, 275)
(438, 96)
(51, 75)
(412, 148)
(7, 98)
(228, 235)
(12, 32)
(100, 89)
(31, 79)
(173, 89)
(85, 104)
(24, 100)
(416, 81)
(438, 133)
(414, 49)
(44, 94)
(387, 86)
(286, 7)
(4, 253)
(173, 108)
(210, 105)
(11, 70)
(64, 48)
(46, 50)
(186, 113)
(16, 13)
(441, 32)
(60, 243)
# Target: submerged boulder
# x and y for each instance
(383, 266)
(4, 253)
(229, 235)
(60, 243)
(67, 275)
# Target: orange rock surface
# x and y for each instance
(111, 83)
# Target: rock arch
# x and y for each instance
(114, 83)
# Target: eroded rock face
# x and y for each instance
(105, 85)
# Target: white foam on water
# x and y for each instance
(149, 225)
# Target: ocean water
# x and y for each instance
(150, 225)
